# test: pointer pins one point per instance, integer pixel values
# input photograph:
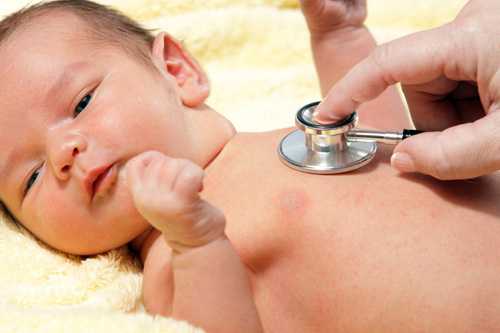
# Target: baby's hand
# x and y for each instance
(165, 191)
(326, 16)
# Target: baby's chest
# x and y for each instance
(268, 225)
(293, 270)
(284, 239)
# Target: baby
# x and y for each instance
(105, 140)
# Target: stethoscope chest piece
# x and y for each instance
(324, 149)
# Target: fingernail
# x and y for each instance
(320, 119)
(403, 162)
(315, 114)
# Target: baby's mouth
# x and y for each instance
(104, 181)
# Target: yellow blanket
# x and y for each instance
(257, 55)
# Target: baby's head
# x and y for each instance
(83, 89)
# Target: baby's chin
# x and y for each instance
(113, 222)
(103, 241)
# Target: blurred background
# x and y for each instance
(408, 14)
(256, 52)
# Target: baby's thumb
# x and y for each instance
(460, 152)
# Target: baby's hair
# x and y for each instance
(106, 25)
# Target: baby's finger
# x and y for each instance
(138, 167)
(189, 181)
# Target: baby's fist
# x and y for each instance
(165, 191)
(326, 16)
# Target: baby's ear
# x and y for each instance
(176, 61)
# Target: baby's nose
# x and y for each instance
(63, 152)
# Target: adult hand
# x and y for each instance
(451, 78)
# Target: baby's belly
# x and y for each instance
(363, 252)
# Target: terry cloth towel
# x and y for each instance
(256, 53)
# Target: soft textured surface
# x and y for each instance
(257, 55)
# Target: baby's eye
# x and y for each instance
(83, 104)
(32, 180)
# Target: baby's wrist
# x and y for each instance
(342, 35)
(207, 228)
(179, 248)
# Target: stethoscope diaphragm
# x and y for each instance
(324, 149)
(332, 148)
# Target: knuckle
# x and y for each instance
(495, 142)
(153, 154)
(190, 171)
(441, 170)
(173, 166)
(145, 159)
(219, 218)
(378, 58)
(162, 208)
(188, 176)
(188, 184)
(182, 163)
(441, 166)
(487, 154)
(484, 147)
(468, 25)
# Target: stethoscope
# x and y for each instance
(333, 148)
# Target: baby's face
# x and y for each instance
(69, 110)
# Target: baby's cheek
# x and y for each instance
(58, 219)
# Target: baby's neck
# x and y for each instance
(213, 132)
(210, 133)
(141, 244)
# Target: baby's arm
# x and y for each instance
(211, 288)
(339, 40)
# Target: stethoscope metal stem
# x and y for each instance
(391, 138)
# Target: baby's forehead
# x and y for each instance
(47, 21)
(33, 58)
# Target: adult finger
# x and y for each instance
(460, 152)
(414, 59)
(443, 103)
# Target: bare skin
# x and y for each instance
(451, 79)
(365, 251)
(360, 252)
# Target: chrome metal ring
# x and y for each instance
(304, 121)
(324, 149)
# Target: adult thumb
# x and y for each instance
(460, 152)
